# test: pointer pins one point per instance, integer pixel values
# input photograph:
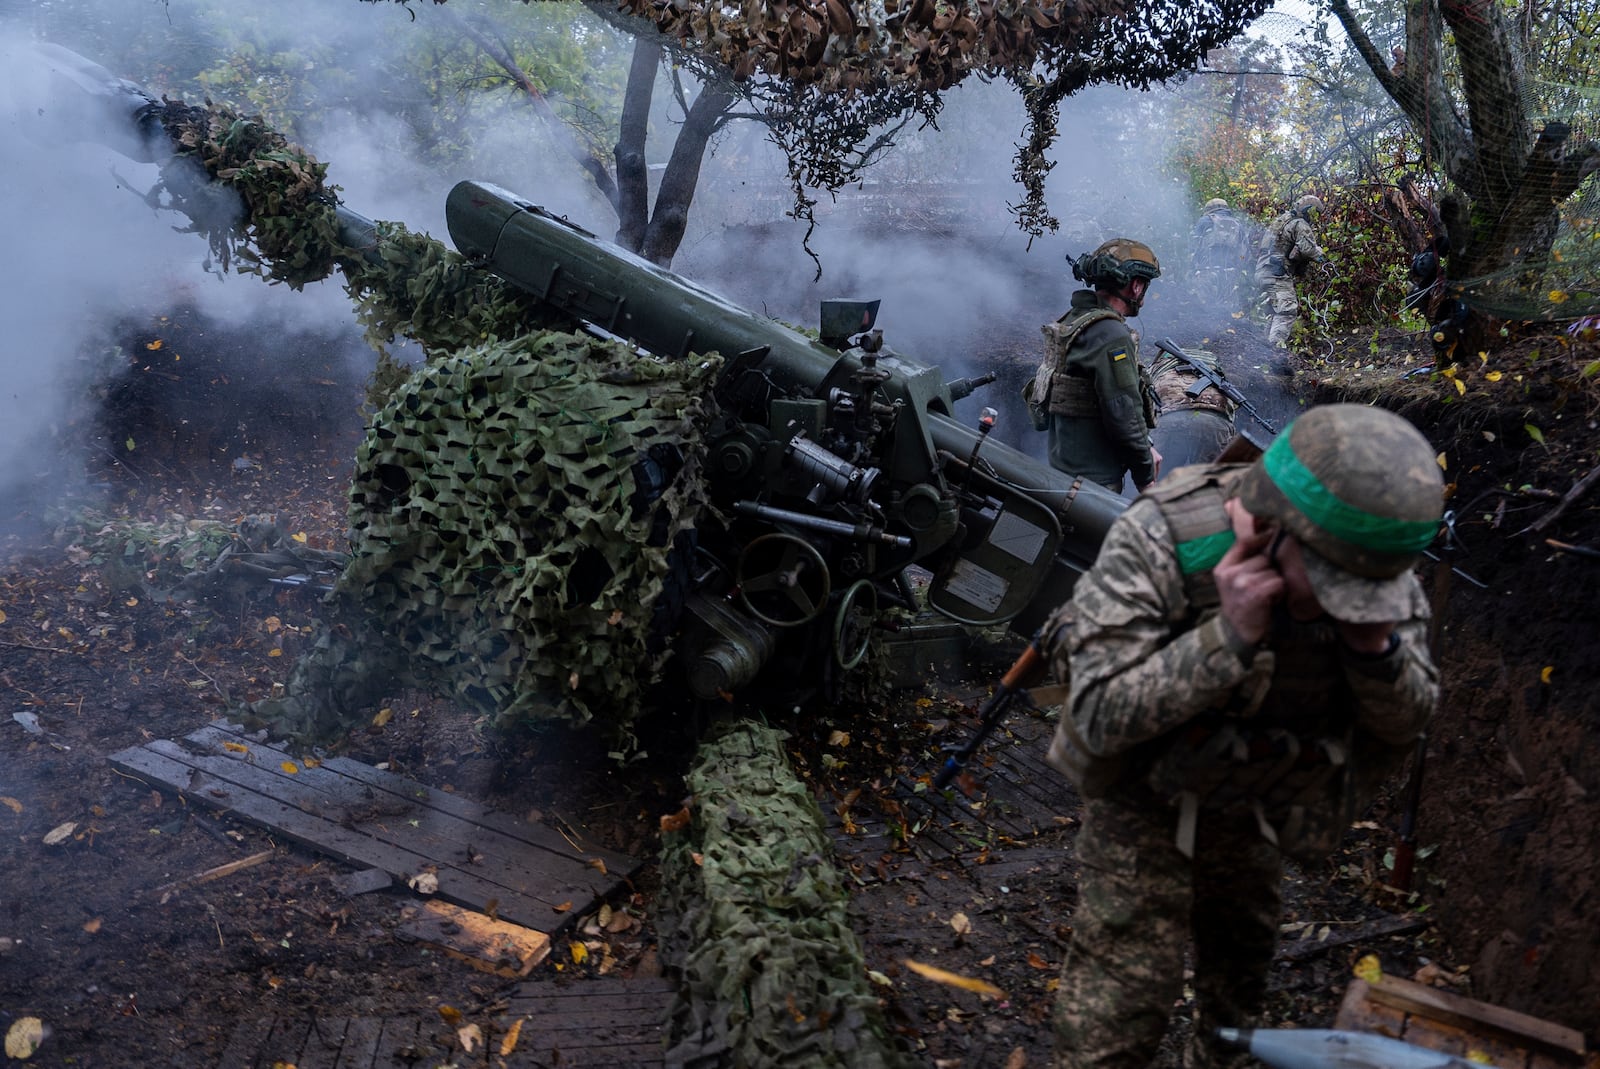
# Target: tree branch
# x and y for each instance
(502, 57)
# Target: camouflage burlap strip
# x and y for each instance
(498, 552)
(754, 915)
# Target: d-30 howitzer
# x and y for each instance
(837, 472)
(842, 464)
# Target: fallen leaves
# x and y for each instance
(950, 979)
(60, 833)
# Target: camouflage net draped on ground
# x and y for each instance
(502, 550)
(755, 917)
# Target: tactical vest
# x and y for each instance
(1054, 392)
(1280, 748)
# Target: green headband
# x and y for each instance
(1319, 505)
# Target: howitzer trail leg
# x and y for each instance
(1124, 967)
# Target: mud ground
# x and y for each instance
(128, 963)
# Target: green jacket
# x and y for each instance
(1097, 423)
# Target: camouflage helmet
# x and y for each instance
(1215, 204)
(1360, 489)
(1308, 204)
(1116, 263)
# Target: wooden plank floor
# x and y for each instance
(524, 873)
(1018, 798)
(603, 1021)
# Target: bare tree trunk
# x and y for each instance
(682, 175)
(1514, 179)
(633, 170)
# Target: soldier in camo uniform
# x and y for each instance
(1194, 421)
(1248, 661)
(1090, 392)
(1288, 249)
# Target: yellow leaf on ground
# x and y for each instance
(2, 616)
(579, 952)
(235, 747)
(965, 983)
(1546, 672)
(92, 925)
(508, 1043)
(450, 1015)
(299, 536)
(11, 804)
(24, 1037)
(290, 767)
(1369, 969)
(383, 716)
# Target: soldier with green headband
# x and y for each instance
(1248, 661)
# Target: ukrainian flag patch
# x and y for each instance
(1119, 354)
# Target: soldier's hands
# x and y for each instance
(1155, 460)
(1247, 583)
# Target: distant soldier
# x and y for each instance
(1090, 391)
(1287, 250)
(1248, 659)
(1194, 421)
(1219, 252)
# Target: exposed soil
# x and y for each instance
(128, 964)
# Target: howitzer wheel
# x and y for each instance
(852, 624)
(783, 580)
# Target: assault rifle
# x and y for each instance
(1028, 669)
(1210, 378)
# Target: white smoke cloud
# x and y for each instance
(82, 249)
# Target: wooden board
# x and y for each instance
(1017, 797)
(488, 945)
(1436, 1019)
(524, 873)
(603, 1021)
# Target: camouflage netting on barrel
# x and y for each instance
(513, 517)
(754, 915)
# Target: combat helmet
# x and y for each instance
(1308, 204)
(1215, 204)
(1360, 489)
(1116, 263)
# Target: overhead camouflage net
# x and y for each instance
(512, 520)
(754, 916)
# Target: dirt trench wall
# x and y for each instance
(1512, 786)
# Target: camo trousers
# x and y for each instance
(1280, 293)
(1140, 902)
